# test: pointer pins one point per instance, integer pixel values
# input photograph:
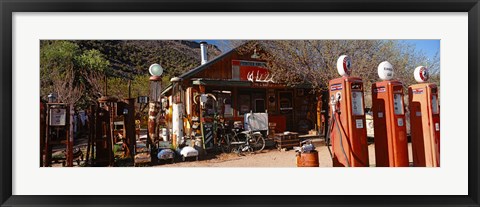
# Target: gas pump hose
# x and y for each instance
(341, 141)
(327, 141)
(327, 137)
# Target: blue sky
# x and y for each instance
(429, 47)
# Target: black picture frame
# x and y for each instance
(7, 7)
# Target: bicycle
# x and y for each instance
(248, 140)
(224, 136)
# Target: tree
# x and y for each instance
(313, 62)
(67, 71)
(57, 74)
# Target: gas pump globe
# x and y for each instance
(155, 71)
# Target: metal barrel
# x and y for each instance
(308, 159)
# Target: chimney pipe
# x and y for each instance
(203, 50)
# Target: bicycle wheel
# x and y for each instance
(237, 143)
(225, 145)
(257, 142)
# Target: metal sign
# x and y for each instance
(208, 134)
(336, 87)
(142, 99)
(379, 90)
(253, 71)
(57, 117)
(417, 91)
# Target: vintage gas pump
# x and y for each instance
(177, 112)
(207, 117)
(348, 132)
(104, 131)
(424, 120)
(391, 147)
(126, 108)
(154, 105)
(155, 71)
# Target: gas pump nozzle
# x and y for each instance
(335, 102)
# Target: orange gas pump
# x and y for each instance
(347, 130)
(424, 120)
(391, 147)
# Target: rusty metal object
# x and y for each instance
(42, 132)
(47, 149)
(307, 159)
(91, 131)
(153, 109)
(129, 125)
(70, 136)
(155, 78)
(142, 153)
(105, 99)
(142, 158)
(103, 137)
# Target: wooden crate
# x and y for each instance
(287, 140)
(271, 129)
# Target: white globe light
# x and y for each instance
(155, 70)
(385, 70)
(344, 65)
(421, 74)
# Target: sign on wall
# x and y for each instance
(57, 117)
(253, 71)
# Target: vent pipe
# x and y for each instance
(203, 50)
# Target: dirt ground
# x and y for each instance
(268, 158)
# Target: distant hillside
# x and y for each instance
(133, 57)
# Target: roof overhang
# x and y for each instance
(208, 82)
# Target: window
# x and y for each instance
(224, 102)
(251, 100)
(259, 106)
(285, 102)
(244, 103)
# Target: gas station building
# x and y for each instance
(242, 83)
